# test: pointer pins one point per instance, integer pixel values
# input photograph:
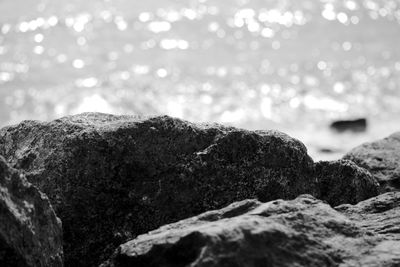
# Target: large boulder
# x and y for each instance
(30, 232)
(382, 159)
(111, 178)
(301, 232)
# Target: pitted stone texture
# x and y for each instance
(30, 232)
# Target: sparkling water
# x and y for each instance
(293, 65)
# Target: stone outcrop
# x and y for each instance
(382, 159)
(342, 181)
(301, 232)
(111, 178)
(30, 232)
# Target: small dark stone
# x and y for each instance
(357, 125)
(327, 150)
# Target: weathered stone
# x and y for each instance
(380, 214)
(111, 178)
(380, 217)
(300, 232)
(342, 181)
(30, 232)
(382, 159)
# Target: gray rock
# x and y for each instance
(111, 178)
(30, 232)
(301, 232)
(379, 215)
(342, 181)
(382, 159)
(380, 218)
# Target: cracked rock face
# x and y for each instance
(382, 159)
(301, 232)
(111, 178)
(30, 232)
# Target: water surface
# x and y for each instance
(294, 65)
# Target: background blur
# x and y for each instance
(293, 65)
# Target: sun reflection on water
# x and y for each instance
(253, 63)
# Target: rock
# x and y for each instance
(300, 232)
(111, 178)
(343, 180)
(327, 150)
(357, 125)
(382, 159)
(30, 232)
(380, 215)
(380, 218)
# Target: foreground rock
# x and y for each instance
(382, 159)
(302, 232)
(111, 178)
(30, 233)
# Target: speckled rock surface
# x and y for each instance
(301, 232)
(342, 181)
(111, 178)
(382, 159)
(30, 232)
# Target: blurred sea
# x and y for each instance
(293, 65)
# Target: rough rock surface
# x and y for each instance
(342, 181)
(111, 178)
(301, 232)
(30, 232)
(382, 159)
